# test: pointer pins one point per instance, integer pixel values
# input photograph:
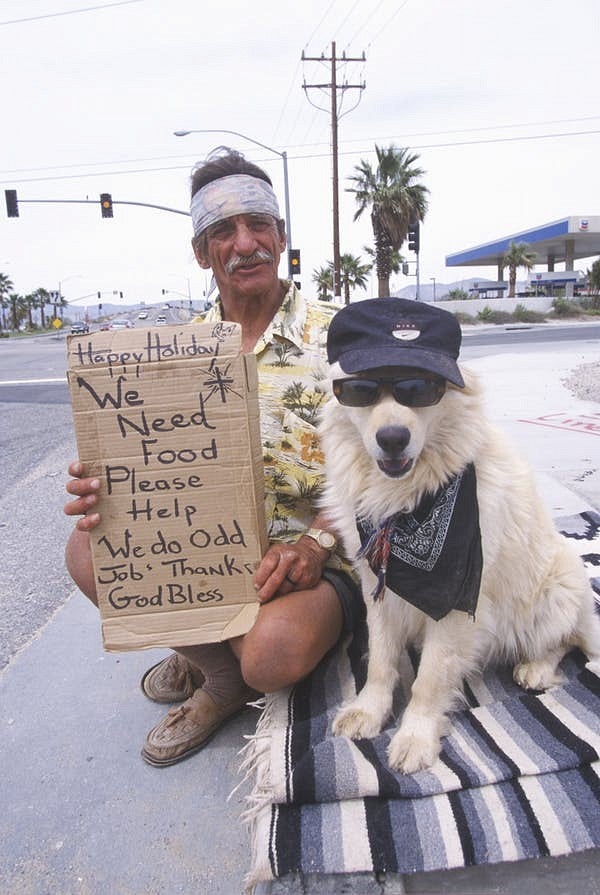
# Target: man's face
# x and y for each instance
(243, 252)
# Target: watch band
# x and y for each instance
(324, 539)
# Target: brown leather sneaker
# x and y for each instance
(187, 728)
(171, 680)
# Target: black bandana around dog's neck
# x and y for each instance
(431, 557)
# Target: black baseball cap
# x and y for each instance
(395, 332)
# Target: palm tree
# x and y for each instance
(323, 277)
(18, 309)
(42, 298)
(30, 303)
(6, 285)
(593, 277)
(518, 255)
(354, 274)
(396, 199)
(58, 304)
(396, 259)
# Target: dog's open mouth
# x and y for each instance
(395, 466)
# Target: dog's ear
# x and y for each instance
(335, 371)
(472, 382)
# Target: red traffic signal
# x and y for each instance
(12, 205)
(106, 205)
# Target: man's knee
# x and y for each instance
(270, 662)
(288, 640)
(78, 559)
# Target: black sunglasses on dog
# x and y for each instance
(360, 391)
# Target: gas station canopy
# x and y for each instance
(561, 241)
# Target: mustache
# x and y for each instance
(258, 257)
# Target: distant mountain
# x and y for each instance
(426, 290)
(77, 311)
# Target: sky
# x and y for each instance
(498, 99)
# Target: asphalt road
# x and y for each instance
(36, 439)
(37, 442)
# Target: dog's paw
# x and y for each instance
(411, 751)
(355, 723)
(539, 675)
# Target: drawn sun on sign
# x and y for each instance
(220, 383)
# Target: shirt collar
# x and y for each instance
(288, 323)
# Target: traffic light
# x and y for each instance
(106, 205)
(405, 268)
(295, 261)
(413, 237)
(12, 205)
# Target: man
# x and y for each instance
(307, 597)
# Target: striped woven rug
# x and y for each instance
(518, 776)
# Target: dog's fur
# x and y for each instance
(535, 601)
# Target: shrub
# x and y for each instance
(488, 315)
(590, 305)
(458, 295)
(564, 308)
(527, 315)
(464, 318)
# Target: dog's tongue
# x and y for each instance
(395, 467)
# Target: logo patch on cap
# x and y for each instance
(406, 332)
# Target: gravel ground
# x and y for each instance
(584, 382)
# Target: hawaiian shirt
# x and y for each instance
(292, 364)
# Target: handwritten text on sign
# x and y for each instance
(168, 421)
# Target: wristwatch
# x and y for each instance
(324, 539)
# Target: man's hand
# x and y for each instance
(86, 497)
(288, 567)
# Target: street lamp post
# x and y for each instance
(286, 187)
(72, 276)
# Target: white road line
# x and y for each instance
(30, 381)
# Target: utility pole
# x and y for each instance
(334, 87)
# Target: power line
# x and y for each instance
(70, 12)
(308, 156)
(383, 27)
(333, 86)
(402, 138)
(323, 17)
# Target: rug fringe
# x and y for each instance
(256, 764)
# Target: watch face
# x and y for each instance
(327, 540)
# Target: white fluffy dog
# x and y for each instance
(530, 600)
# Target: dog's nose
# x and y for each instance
(393, 439)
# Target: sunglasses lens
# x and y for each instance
(356, 392)
(418, 392)
(409, 392)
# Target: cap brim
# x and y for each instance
(354, 361)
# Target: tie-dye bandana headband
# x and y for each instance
(228, 196)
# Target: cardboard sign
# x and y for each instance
(167, 418)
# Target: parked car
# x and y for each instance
(121, 323)
(105, 326)
(79, 328)
(143, 315)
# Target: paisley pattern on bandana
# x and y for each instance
(420, 543)
(432, 557)
(227, 196)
